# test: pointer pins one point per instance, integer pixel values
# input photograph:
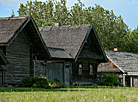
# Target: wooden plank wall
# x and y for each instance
(85, 77)
(85, 59)
(18, 55)
(40, 69)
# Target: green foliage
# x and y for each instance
(111, 29)
(56, 79)
(110, 80)
(56, 84)
(27, 82)
(38, 82)
(118, 84)
(41, 82)
(110, 77)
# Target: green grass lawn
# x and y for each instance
(83, 94)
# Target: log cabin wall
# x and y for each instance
(18, 55)
(85, 76)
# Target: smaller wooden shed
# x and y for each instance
(124, 65)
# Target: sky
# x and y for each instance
(128, 9)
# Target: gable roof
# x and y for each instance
(108, 67)
(10, 27)
(125, 61)
(3, 59)
(69, 38)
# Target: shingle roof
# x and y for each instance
(59, 53)
(69, 38)
(125, 61)
(8, 27)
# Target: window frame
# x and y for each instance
(91, 64)
(80, 68)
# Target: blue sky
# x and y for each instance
(128, 9)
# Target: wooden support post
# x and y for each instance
(124, 79)
(2, 77)
(34, 66)
(130, 81)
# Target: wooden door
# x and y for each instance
(55, 70)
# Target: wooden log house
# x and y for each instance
(76, 52)
(20, 41)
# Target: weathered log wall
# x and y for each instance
(18, 55)
(85, 77)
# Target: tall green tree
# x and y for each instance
(111, 29)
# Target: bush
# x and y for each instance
(39, 82)
(56, 79)
(27, 82)
(118, 84)
(110, 80)
(56, 83)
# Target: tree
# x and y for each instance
(111, 29)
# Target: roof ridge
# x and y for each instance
(16, 17)
(122, 51)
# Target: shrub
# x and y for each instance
(27, 82)
(110, 80)
(56, 79)
(118, 84)
(56, 83)
(40, 82)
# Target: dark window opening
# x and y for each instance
(67, 66)
(80, 66)
(91, 69)
(3, 48)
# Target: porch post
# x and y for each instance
(130, 81)
(124, 79)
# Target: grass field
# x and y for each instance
(84, 94)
